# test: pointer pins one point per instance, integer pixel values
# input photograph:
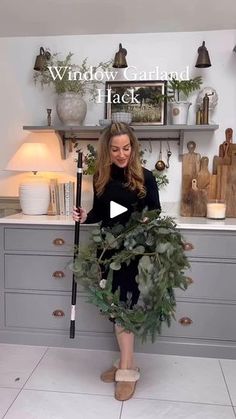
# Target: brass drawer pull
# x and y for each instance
(185, 321)
(188, 246)
(58, 242)
(58, 274)
(58, 313)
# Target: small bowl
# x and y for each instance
(104, 122)
(125, 117)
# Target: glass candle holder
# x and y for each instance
(216, 209)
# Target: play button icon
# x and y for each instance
(116, 209)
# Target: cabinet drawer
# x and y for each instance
(212, 280)
(36, 311)
(209, 321)
(35, 272)
(216, 245)
(43, 240)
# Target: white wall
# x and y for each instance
(23, 103)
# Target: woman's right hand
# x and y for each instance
(79, 215)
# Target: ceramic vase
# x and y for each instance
(71, 108)
(179, 112)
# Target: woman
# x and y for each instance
(120, 178)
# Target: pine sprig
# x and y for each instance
(159, 249)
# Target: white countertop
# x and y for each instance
(195, 223)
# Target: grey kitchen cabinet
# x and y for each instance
(35, 284)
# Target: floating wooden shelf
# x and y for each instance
(144, 132)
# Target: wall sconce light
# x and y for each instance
(34, 191)
(120, 60)
(203, 60)
(41, 60)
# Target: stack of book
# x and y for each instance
(62, 197)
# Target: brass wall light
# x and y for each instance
(120, 60)
(203, 60)
(41, 60)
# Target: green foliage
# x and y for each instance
(184, 87)
(65, 66)
(90, 160)
(180, 89)
(161, 178)
(161, 264)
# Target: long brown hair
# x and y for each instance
(134, 170)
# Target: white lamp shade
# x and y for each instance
(34, 157)
(34, 193)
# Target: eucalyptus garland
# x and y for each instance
(159, 249)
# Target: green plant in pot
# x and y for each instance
(71, 82)
(178, 94)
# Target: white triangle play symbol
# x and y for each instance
(116, 209)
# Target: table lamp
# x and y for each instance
(34, 192)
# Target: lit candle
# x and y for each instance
(216, 209)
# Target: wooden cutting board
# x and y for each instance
(230, 191)
(204, 176)
(194, 200)
(198, 200)
(191, 161)
(224, 151)
(212, 187)
(190, 170)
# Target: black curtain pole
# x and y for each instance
(76, 242)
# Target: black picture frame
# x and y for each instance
(122, 96)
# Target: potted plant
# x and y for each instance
(178, 93)
(71, 82)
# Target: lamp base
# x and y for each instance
(34, 197)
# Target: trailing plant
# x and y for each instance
(65, 76)
(159, 247)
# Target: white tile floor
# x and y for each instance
(58, 383)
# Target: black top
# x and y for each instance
(116, 191)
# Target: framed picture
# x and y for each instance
(140, 98)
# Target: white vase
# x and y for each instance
(71, 108)
(179, 112)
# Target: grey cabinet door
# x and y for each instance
(38, 272)
(211, 280)
(38, 311)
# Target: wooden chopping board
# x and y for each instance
(230, 191)
(224, 152)
(191, 161)
(198, 200)
(194, 200)
(190, 170)
(204, 176)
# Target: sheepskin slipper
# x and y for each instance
(109, 375)
(125, 383)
